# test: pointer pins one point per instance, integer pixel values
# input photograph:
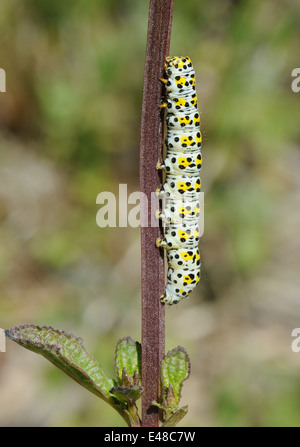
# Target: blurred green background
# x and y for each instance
(69, 129)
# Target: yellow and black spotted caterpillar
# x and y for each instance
(182, 185)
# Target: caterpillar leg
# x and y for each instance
(163, 80)
(161, 192)
(170, 298)
(163, 105)
(167, 299)
(163, 299)
(160, 242)
(160, 165)
(158, 214)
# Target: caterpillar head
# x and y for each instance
(178, 64)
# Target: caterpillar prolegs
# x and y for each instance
(182, 185)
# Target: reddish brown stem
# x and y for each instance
(153, 273)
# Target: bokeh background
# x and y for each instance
(69, 129)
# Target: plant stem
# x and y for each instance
(153, 273)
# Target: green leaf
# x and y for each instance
(175, 369)
(176, 417)
(128, 362)
(128, 394)
(67, 353)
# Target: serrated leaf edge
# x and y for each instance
(39, 345)
(174, 350)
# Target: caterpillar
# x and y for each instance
(182, 183)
